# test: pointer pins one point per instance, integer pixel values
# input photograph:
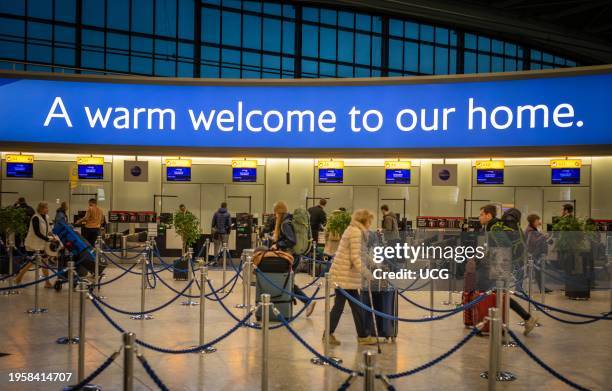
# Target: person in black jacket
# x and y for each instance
(318, 218)
(537, 246)
(221, 226)
(29, 212)
(284, 240)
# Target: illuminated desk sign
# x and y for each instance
(490, 172)
(565, 171)
(331, 171)
(244, 170)
(19, 166)
(397, 172)
(178, 170)
(90, 167)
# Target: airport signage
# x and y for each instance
(27, 159)
(566, 163)
(90, 160)
(178, 162)
(489, 164)
(560, 108)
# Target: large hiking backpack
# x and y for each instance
(301, 227)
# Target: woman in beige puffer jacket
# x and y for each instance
(347, 272)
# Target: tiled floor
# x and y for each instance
(583, 353)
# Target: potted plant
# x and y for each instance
(12, 223)
(337, 222)
(187, 226)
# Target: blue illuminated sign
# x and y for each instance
(244, 174)
(91, 171)
(560, 109)
(397, 177)
(331, 175)
(19, 170)
(490, 177)
(565, 176)
(178, 174)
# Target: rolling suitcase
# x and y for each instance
(383, 301)
(477, 313)
(578, 287)
(278, 275)
(83, 254)
(180, 269)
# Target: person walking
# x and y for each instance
(347, 272)
(390, 227)
(93, 219)
(37, 239)
(537, 246)
(318, 218)
(28, 213)
(220, 228)
(284, 239)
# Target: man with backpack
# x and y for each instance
(221, 226)
(509, 224)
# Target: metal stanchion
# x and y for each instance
(431, 293)
(369, 370)
(149, 255)
(495, 361)
(203, 282)
(97, 265)
(244, 283)
(143, 283)
(505, 319)
(11, 279)
(124, 239)
(529, 289)
(36, 309)
(265, 339)
(189, 302)
(224, 278)
(326, 350)
(314, 258)
(248, 269)
(451, 284)
(542, 283)
(129, 340)
(70, 339)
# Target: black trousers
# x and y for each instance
(362, 326)
(91, 235)
(516, 307)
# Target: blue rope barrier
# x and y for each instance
(566, 312)
(124, 258)
(151, 274)
(116, 278)
(395, 318)
(299, 297)
(311, 283)
(151, 373)
(160, 307)
(27, 284)
(401, 294)
(95, 373)
(119, 265)
(173, 351)
(543, 364)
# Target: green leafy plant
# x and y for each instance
(571, 236)
(13, 220)
(337, 222)
(187, 226)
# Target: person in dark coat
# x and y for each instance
(537, 246)
(318, 218)
(221, 227)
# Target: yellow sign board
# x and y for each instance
(397, 165)
(331, 164)
(489, 164)
(90, 160)
(244, 163)
(178, 162)
(566, 163)
(19, 158)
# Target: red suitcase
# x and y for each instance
(477, 313)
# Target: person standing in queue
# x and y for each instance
(347, 272)
(490, 223)
(37, 239)
(61, 214)
(390, 227)
(93, 219)
(220, 228)
(318, 218)
(537, 246)
(284, 239)
(28, 213)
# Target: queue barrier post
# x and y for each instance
(431, 293)
(248, 269)
(369, 370)
(224, 278)
(98, 249)
(11, 271)
(143, 283)
(36, 309)
(314, 258)
(203, 283)
(494, 373)
(265, 339)
(506, 341)
(326, 337)
(129, 345)
(124, 240)
(70, 339)
(189, 302)
(244, 282)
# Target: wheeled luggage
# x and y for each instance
(384, 301)
(83, 254)
(274, 277)
(477, 313)
(577, 287)
(180, 269)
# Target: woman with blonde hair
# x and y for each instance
(284, 239)
(347, 272)
(37, 238)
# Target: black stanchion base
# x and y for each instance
(86, 387)
(190, 303)
(67, 341)
(501, 376)
(36, 311)
(318, 361)
(141, 317)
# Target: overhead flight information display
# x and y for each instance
(90, 167)
(397, 173)
(490, 172)
(19, 166)
(178, 170)
(244, 170)
(331, 171)
(565, 171)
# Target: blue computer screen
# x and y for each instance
(178, 174)
(19, 170)
(490, 177)
(565, 176)
(397, 177)
(331, 175)
(91, 171)
(244, 174)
